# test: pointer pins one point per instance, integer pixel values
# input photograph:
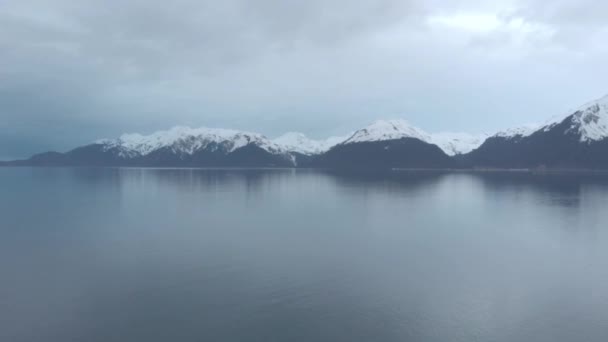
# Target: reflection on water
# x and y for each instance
(286, 255)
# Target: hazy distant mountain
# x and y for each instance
(576, 140)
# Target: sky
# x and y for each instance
(73, 71)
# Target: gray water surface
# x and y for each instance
(281, 255)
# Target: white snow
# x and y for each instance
(451, 143)
(457, 143)
(518, 132)
(590, 121)
(300, 143)
(187, 141)
(382, 130)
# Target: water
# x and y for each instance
(281, 255)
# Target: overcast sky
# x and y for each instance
(72, 71)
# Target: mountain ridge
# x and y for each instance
(578, 139)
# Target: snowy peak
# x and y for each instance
(300, 143)
(388, 130)
(185, 140)
(590, 121)
(451, 143)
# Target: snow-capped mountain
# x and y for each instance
(187, 141)
(300, 143)
(572, 141)
(177, 147)
(383, 130)
(577, 140)
(386, 144)
(589, 122)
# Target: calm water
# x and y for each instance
(206, 255)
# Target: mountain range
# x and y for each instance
(576, 140)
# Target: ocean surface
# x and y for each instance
(101, 255)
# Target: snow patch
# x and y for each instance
(518, 132)
(300, 143)
(457, 143)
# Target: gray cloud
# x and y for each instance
(73, 71)
(577, 24)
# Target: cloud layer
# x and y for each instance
(73, 71)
